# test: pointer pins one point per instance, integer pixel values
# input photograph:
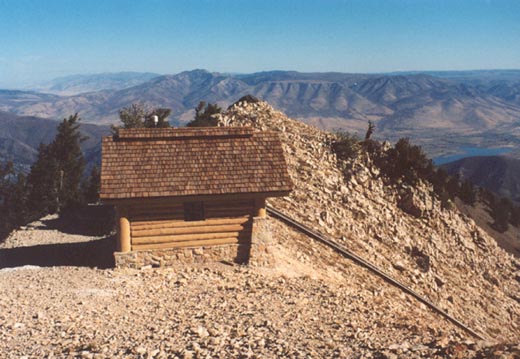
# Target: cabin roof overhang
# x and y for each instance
(188, 163)
(194, 198)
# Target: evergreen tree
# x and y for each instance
(345, 145)
(55, 177)
(13, 201)
(138, 115)
(467, 193)
(133, 116)
(407, 162)
(439, 180)
(515, 216)
(370, 130)
(6, 171)
(453, 186)
(501, 214)
(66, 150)
(42, 185)
(92, 186)
(205, 115)
(162, 116)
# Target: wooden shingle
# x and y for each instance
(169, 162)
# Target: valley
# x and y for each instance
(439, 111)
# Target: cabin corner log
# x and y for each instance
(124, 238)
(260, 207)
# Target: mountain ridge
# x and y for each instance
(19, 140)
(499, 174)
(83, 83)
(439, 113)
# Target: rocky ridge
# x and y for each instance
(440, 253)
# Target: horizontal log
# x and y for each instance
(158, 209)
(180, 206)
(151, 218)
(187, 230)
(209, 212)
(139, 225)
(146, 204)
(226, 214)
(208, 242)
(156, 215)
(227, 206)
(189, 237)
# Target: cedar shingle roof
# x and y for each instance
(192, 161)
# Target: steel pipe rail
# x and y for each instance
(360, 261)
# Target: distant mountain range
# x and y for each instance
(20, 137)
(78, 84)
(499, 174)
(439, 110)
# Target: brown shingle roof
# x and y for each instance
(192, 161)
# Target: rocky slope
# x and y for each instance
(481, 214)
(439, 253)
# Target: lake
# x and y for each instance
(469, 152)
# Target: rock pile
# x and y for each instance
(440, 253)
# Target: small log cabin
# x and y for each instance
(179, 188)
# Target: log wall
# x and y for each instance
(156, 225)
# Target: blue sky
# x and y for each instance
(43, 39)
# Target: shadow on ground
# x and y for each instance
(90, 220)
(96, 253)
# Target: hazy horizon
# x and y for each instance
(32, 85)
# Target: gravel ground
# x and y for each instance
(311, 304)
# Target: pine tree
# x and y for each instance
(13, 201)
(66, 150)
(370, 130)
(55, 177)
(42, 186)
(205, 115)
(138, 115)
(501, 213)
(515, 216)
(162, 116)
(92, 186)
(133, 116)
(467, 193)
(453, 186)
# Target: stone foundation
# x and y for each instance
(256, 253)
(261, 243)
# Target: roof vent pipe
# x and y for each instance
(155, 120)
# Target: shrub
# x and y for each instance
(467, 193)
(407, 162)
(346, 145)
(205, 115)
(501, 213)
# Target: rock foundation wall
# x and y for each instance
(257, 253)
